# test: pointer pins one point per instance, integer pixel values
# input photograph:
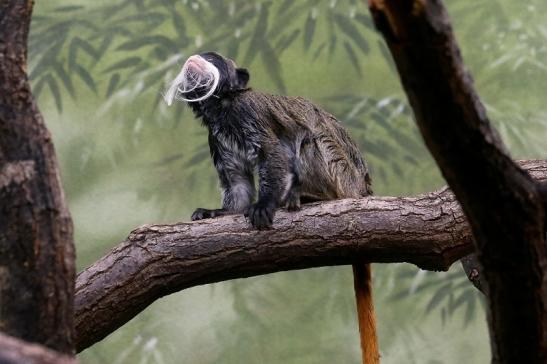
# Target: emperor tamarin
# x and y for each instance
(299, 151)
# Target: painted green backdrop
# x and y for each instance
(98, 69)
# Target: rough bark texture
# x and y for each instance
(15, 351)
(36, 249)
(501, 201)
(155, 260)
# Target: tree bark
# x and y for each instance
(36, 248)
(501, 201)
(155, 260)
(15, 351)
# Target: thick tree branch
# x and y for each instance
(15, 351)
(36, 251)
(156, 260)
(501, 201)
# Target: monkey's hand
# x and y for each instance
(261, 215)
(201, 214)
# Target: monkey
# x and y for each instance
(299, 152)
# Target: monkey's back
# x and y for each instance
(327, 161)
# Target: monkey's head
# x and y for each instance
(206, 75)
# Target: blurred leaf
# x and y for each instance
(55, 92)
(86, 77)
(159, 53)
(258, 37)
(332, 45)
(347, 27)
(437, 298)
(68, 8)
(465, 296)
(67, 82)
(309, 29)
(105, 43)
(180, 28)
(233, 49)
(353, 58)
(281, 22)
(319, 50)
(273, 66)
(88, 25)
(39, 69)
(168, 160)
(149, 18)
(286, 41)
(76, 44)
(111, 10)
(148, 40)
(114, 80)
(469, 312)
(124, 64)
(397, 170)
(49, 57)
(365, 20)
(38, 86)
(285, 7)
(179, 111)
(377, 148)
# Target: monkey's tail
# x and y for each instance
(362, 280)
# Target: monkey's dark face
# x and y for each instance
(207, 75)
(231, 77)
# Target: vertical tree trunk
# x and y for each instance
(36, 248)
(15, 351)
(501, 201)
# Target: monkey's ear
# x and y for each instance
(242, 77)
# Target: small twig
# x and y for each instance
(473, 269)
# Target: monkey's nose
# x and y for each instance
(196, 63)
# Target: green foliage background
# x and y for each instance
(98, 70)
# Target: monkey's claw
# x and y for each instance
(201, 214)
(293, 205)
(293, 202)
(261, 215)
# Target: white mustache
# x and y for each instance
(189, 80)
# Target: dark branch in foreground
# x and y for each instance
(16, 351)
(470, 263)
(502, 203)
(155, 260)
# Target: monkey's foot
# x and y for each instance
(261, 215)
(293, 202)
(201, 214)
